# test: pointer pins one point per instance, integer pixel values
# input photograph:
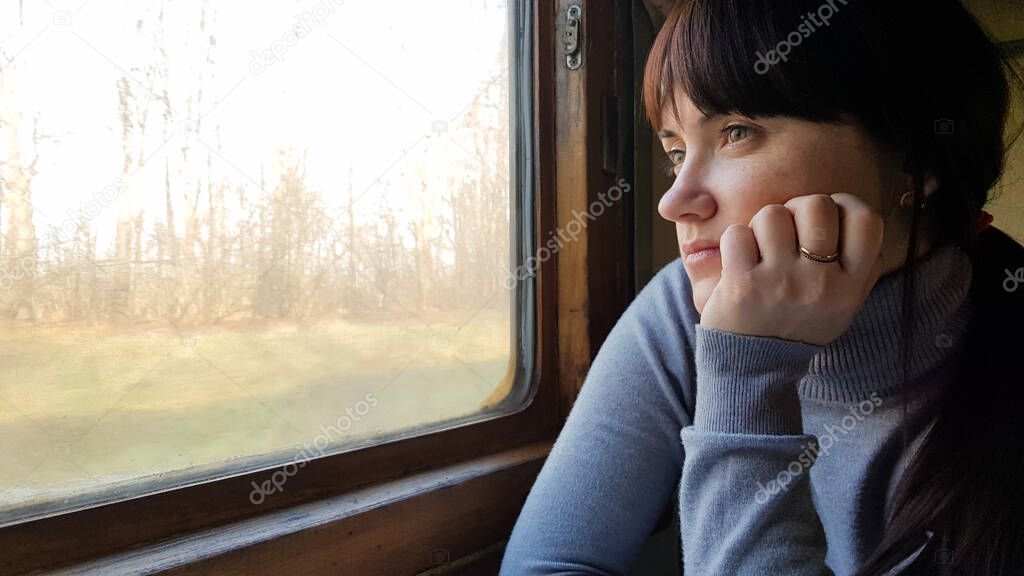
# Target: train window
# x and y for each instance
(314, 286)
(1007, 205)
(233, 238)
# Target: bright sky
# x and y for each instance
(361, 91)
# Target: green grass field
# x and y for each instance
(82, 408)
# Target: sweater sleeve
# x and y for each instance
(617, 460)
(745, 487)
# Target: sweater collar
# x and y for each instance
(867, 358)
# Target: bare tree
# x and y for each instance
(19, 248)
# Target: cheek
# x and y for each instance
(741, 193)
(843, 164)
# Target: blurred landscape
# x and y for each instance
(221, 226)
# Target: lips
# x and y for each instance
(701, 256)
(700, 251)
(698, 245)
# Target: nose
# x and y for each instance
(688, 198)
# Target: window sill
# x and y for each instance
(402, 526)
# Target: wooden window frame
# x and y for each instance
(448, 497)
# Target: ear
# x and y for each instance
(931, 184)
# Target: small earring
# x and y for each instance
(907, 198)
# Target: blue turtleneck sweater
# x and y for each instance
(784, 454)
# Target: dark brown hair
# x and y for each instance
(922, 78)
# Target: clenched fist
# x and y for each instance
(768, 288)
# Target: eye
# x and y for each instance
(674, 160)
(736, 132)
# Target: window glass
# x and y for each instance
(231, 230)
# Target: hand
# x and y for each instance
(783, 294)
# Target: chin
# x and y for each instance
(702, 287)
(699, 300)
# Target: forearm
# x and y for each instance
(745, 497)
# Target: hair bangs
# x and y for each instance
(715, 53)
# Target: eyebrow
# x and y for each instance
(703, 120)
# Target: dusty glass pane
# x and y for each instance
(229, 230)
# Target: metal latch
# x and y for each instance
(573, 37)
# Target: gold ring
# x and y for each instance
(818, 257)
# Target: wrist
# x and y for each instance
(748, 384)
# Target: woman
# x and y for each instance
(826, 376)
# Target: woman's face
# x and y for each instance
(728, 167)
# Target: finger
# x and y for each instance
(816, 220)
(738, 249)
(774, 233)
(861, 231)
